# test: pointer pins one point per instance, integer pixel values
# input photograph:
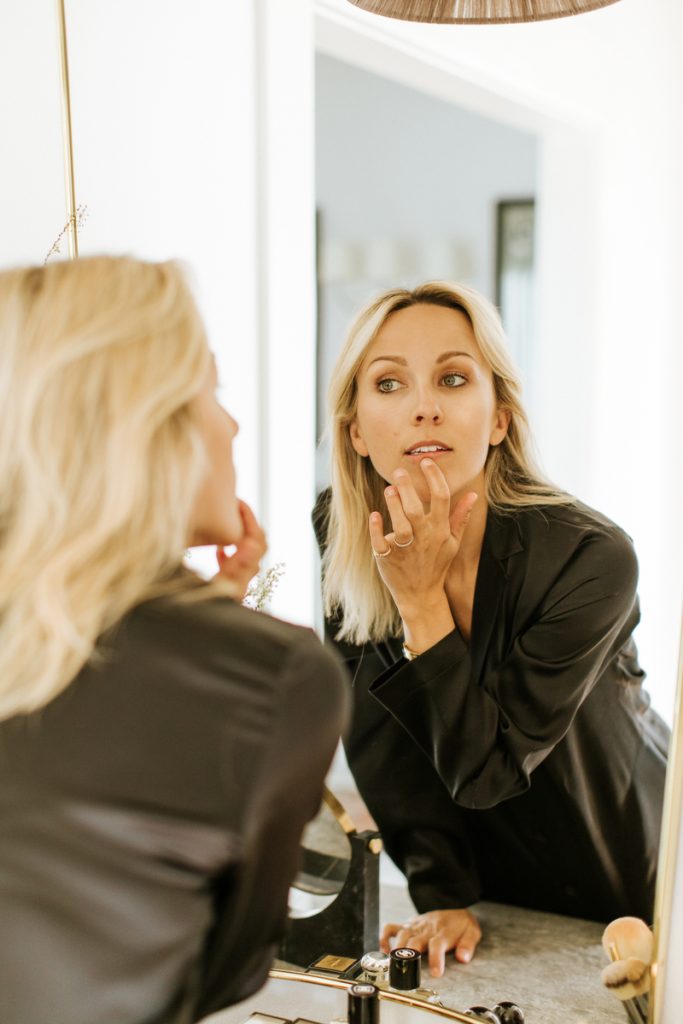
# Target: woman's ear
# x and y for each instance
(357, 441)
(500, 426)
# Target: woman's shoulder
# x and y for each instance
(215, 630)
(578, 533)
(572, 519)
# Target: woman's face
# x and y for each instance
(216, 518)
(425, 391)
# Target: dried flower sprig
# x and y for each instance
(261, 588)
(80, 218)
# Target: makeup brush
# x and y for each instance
(628, 937)
(629, 943)
(627, 978)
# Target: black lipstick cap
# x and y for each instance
(404, 969)
(363, 1004)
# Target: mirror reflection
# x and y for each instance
(325, 860)
(486, 617)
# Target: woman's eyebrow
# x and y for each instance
(389, 359)
(399, 359)
(449, 355)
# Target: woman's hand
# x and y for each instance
(243, 564)
(436, 933)
(420, 548)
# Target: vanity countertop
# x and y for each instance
(549, 965)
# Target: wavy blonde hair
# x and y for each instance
(353, 592)
(100, 458)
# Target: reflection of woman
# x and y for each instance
(507, 752)
(161, 747)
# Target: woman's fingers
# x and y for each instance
(460, 516)
(380, 544)
(407, 938)
(388, 933)
(406, 510)
(403, 528)
(468, 942)
(411, 506)
(440, 495)
(436, 932)
(252, 527)
(438, 947)
(242, 564)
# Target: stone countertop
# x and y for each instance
(549, 965)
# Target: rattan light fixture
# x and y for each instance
(478, 12)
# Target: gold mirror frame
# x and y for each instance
(67, 132)
(671, 848)
(670, 854)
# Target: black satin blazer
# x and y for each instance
(527, 766)
(150, 816)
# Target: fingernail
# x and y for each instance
(390, 492)
(427, 462)
(465, 956)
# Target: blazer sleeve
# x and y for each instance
(485, 737)
(422, 831)
(251, 895)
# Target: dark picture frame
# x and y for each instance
(515, 221)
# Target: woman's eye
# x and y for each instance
(388, 384)
(453, 380)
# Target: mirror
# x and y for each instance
(204, 149)
(326, 856)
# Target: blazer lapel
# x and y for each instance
(501, 539)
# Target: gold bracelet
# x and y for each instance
(408, 654)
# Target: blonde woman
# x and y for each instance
(161, 746)
(500, 736)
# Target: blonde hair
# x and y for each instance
(353, 591)
(100, 457)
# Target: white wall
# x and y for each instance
(183, 117)
(32, 204)
(392, 163)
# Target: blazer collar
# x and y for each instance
(501, 540)
(502, 536)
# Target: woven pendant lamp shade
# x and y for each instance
(478, 12)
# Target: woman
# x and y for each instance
(161, 746)
(500, 735)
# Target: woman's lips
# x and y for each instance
(418, 456)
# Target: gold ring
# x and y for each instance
(404, 545)
(381, 554)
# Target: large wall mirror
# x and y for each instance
(260, 143)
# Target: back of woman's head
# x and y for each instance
(100, 457)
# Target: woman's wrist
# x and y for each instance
(426, 626)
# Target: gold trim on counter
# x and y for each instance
(277, 974)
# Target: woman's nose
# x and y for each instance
(428, 409)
